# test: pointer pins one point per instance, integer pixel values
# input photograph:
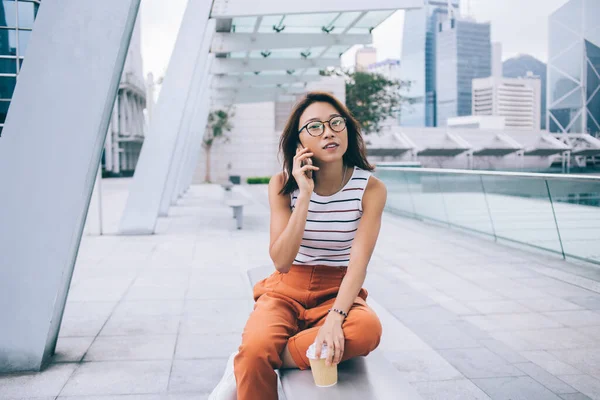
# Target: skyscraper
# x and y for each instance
(574, 68)
(519, 67)
(419, 63)
(464, 52)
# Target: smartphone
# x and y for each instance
(305, 162)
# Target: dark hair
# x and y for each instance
(355, 156)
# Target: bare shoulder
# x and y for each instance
(375, 185)
(276, 183)
(375, 194)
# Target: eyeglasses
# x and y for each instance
(317, 128)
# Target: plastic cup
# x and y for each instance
(323, 375)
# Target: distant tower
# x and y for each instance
(365, 57)
(419, 61)
(464, 52)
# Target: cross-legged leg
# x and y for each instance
(267, 331)
(362, 333)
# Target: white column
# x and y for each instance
(49, 157)
(141, 210)
(198, 128)
(191, 109)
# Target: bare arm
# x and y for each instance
(287, 227)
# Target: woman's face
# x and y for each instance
(331, 145)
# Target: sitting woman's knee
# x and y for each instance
(257, 351)
(367, 331)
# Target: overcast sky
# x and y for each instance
(520, 25)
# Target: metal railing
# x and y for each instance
(557, 213)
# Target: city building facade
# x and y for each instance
(517, 100)
(419, 61)
(16, 24)
(463, 53)
(574, 68)
(364, 57)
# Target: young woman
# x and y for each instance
(326, 212)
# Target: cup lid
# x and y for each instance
(311, 352)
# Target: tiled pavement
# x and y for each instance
(155, 317)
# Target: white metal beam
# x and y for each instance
(252, 98)
(145, 193)
(245, 8)
(233, 65)
(229, 93)
(197, 87)
(231, 42)
(49, 157)
(238, 81)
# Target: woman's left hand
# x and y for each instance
(332, 334)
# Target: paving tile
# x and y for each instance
(575, 396)
(498, 307)
(510, 322)
(434, 315)
(422, 365)
(576, 318)
(479, 363)
(141, 325)
(586, 384)
(196, 375)
(549, 303)
(550, 363)
(40, 384)
(515, 388)
(445, 337)
(545, 378)
(119, 377)
(545, 339)
(589, 302)
(207, 346)
(149, 307)
(502, 350)
(460, 389)
(585, 360)
(71, 349)
(115, 348)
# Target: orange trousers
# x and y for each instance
(289, 309)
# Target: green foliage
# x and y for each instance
(218, 125)
(371, 97)
(254, 180)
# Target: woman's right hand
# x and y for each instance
(303, 173)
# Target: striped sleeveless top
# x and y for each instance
(331, 223)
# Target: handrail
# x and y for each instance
(594, 178)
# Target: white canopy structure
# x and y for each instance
(249, 52)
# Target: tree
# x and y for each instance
(216, 130)
(371, 97)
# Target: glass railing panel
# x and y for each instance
(399, 197)
(577, 209)
(465, 202)
(521, 211)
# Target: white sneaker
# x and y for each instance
(226, 389)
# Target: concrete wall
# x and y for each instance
(251, 150)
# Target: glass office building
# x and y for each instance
(418, 61)
(464, 52)
(16, 23)
(574, 68)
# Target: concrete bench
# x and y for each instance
(238, 210)
(362, 378)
